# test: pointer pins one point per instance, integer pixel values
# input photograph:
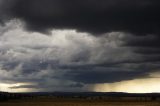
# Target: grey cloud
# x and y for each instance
(69, 59)
(39, 86)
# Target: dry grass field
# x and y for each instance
(61, 102)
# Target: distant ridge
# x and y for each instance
(87, 94)
(110, 96)
(67, 94)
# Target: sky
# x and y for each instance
(80, 46)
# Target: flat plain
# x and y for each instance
(75, 102)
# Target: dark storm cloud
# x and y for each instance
(149, 41)
(95, 16)
(105, 76)
(32, 71)
(147, 46)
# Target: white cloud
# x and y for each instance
(61, 45)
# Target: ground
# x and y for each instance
(74, 102)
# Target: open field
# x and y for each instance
(79, 99)
(77, 104)
(61, 102)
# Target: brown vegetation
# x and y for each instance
(74, 102)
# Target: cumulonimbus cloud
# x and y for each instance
(68, 58)
(117, 38)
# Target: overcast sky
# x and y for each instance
(80, 45)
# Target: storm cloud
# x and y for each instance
(95, 16)
(73, 45)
